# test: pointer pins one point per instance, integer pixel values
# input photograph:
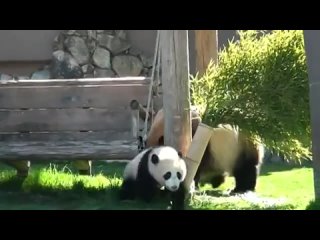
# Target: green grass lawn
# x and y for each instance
(280, 186)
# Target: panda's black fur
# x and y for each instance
(142, 184)
(246, 165)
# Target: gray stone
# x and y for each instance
(135, 51)
(58, 43)
(103, 73)
(65, 66)
(145, 72)
(70, 32)
(22, 78)
(116, 45)
(127, 65)
(88, 75)
(88, 68)
(111, 32)
(146, 61)
(92, 34)
(122, 34)
(101, 58)
(42, 74)
(92, 45)
(82, 33)
(78, 49)
(4, 77)
(46, 67)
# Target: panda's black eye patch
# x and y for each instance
(179, 175)
(167, 175)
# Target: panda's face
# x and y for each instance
(172, 180)
(168, 169)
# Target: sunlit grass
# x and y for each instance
(56, 186)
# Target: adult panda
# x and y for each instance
(152, 169)
(156, 131)
(229, 152)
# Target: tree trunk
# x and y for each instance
(206, 42)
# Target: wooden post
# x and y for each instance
(176, 91)
(206, 42)
(84, 167)
(22, 167)
(312, 47)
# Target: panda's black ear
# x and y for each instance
(154, 159)
(180, 154)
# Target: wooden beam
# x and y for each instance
(75, 82)
(206, 42)
(68, 150)
(176, 91)
(312, 47)
(76, 119)
(71, 96)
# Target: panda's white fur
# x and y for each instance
(152, 169)
(169, 161)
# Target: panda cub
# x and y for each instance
(229, 153)
(152, 169)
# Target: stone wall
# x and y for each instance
(91, 54)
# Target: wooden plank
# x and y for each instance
(72, 96)
(64, 120)
(69, 150)
(176, 93)
(65, 136)
(76, 82)
(206, 42)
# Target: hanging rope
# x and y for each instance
(158, 72)
(155, 64)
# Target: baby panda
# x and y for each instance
(152, 169)
(229, 153)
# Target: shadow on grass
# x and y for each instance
(60, 191)
(20, 196)
(13, 183)
(14, 195)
